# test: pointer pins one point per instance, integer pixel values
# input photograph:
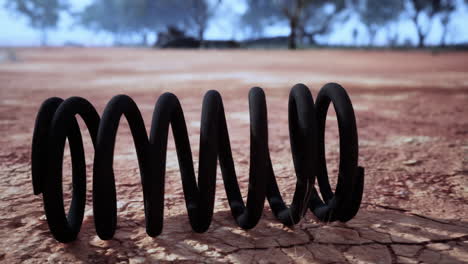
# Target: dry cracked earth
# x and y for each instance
(411, 110)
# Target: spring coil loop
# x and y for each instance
(56, 122)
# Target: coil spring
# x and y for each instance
(56, 121)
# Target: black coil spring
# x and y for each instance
(56, 121)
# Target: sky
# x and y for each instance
(14, 29)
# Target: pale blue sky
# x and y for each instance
(14, 29)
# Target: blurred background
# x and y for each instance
(234, 23)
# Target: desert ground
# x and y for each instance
(412, 117)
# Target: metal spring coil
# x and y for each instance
(56, 121)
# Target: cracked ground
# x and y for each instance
(411, 110)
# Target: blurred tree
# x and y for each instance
(196, 14)
(199, 14)
(120, 17)
(260, 14)
(143, 19)
(294, 11)
(446, 10)
(305, 17)
(421, 6)
(319, 16)
(430, 8)
(107, 16)
(355, 36)
(378, 14)
(392, 33)
(123, 17)
(42, 14)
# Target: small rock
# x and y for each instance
(137, 260)
(406, 260)
(151, 250)
(410, 162)
(97, 242)
(438, 246)
(195, 245)
(408, 140)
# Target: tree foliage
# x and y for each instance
(123, 17)
(41, 14)
(306, 19)
(446, 10)
(300, 15)
(378, 14)
(429, 8)
(120, 17)
(320, 16)
(194, 15)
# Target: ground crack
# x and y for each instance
(462, 238)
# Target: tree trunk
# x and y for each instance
(445, 22)
(144, 39)
(292, 35)
(421, 35)
(392, 36)
(311, 38)
(355, 37)
(43, 37)
(421, 38)
(201, 33)
(372, 32)
(444, 36)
